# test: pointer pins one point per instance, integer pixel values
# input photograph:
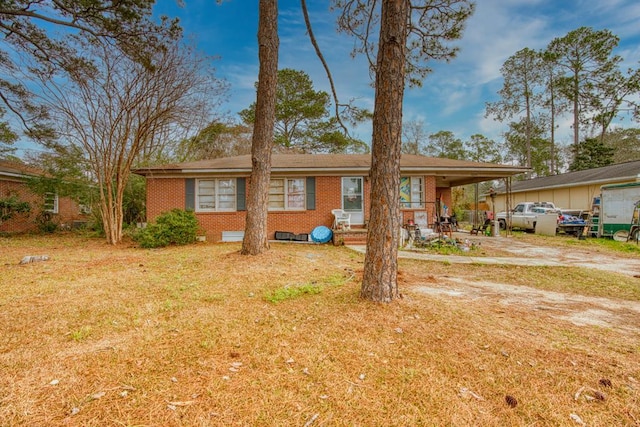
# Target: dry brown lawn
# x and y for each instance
(192, 336)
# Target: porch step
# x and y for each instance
(350, 237)
(354, 241)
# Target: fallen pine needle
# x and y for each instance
(311, 420)
(182, 403)
(356, 384)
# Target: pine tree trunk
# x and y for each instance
(576, 111)
(527, 130)
(553, 126)
(380, 281)
(255, 234)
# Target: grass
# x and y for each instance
(80, 334)
(631, 248)
(569, 242)
(447, 247)
(181, 336)
(294, 291)
(286, 293)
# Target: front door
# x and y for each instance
(352, 198)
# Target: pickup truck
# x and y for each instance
(525, 214)
(571, 222)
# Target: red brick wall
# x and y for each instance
(164, 194)
(68, 210)
(445, 197)
(21, 222)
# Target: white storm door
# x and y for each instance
(352, 198)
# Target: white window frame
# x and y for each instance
(416, 193)
(51, 202)
(289, 192)
(219, 197)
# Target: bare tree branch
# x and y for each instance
(314, 42)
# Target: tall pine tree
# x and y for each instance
(591, 153)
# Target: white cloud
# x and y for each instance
(495, 32)
(490, 128)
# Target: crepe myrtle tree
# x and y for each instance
(119, 109)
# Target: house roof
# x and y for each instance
(16, 170)
(448, 172)
(620, 172)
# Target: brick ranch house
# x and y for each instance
(305, 188)
(13, 178)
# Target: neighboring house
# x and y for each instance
(304, 189)
(573, 190)
(13, 177)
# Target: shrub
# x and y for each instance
(46, 222)
(176, 227)
(10, 206)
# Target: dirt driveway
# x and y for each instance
(528, 254)
(521, 253)
(579, 309)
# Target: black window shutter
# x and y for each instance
(190, 194)
(241, 192)
(311, 193)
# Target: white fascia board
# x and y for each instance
(307, 171)
(463, 171)
(216, 171)
(14, 175)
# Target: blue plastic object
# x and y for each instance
(321, 234)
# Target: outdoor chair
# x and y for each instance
(341, 219)
(423, 231)
(483, 229)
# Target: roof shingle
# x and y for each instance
(620, 172)
(322, 161)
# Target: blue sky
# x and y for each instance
(452, 98)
